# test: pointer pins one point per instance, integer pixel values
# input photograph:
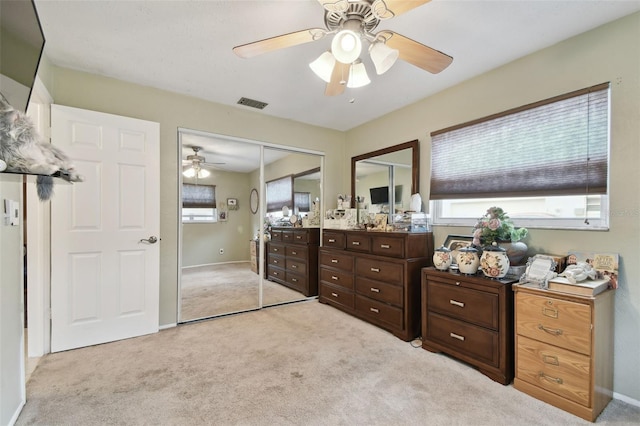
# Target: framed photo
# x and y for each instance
(232, 203)
(455, 243)
(380, 222)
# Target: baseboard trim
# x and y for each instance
(165, 326)
(216, 264)
(626, 399)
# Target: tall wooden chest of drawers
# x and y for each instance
(564, 348)
(469, 318)
(292, 258)
(375, 276)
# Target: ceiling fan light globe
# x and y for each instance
(346, 46)
(358, 76)
(202, 173)
(323, 66)
(383, 56)
(189, 173)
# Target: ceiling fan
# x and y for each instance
(353, 21)
(194, 164)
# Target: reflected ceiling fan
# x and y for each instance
(352, 22)
(194, 165)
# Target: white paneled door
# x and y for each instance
(104, 260)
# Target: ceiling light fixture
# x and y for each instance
(383, 56)
(346, 46)
(323, 66)
(196, 171)
(358, 75)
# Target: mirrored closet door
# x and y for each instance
(224, 221)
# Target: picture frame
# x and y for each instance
(232, 203)
(456, 242)
(380, 222)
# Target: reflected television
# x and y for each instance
(380, 195)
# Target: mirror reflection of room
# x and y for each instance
(221, 252)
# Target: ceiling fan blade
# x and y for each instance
(339, 78)
(387, 9)
(337, 6)
(250, 50)
(416, 53)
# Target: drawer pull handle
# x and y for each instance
(385, 246)
(457, 336)
(298, 237)
(334, 294)
(557, 380)
(334, 260)
(375, 290)
(550, 359)
(275, 249)
(331, 240)
(294, 253)
(333, 277)
(275, 274)
(374, 310)
(375, 269)
(294, 280)
(294, 266)
(355, 243)
(550, 312)
(275, 262)
(456, 303)
(554, 331)
(457, 282)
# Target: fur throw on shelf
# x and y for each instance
(22, 150)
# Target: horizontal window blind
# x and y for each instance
(559, 146)
(194, 196)
(280, 193)
(302, 201)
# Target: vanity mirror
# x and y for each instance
(386, 178)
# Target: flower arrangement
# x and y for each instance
(496, 226)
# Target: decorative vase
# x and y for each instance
(494, 262)
(516, 252)
(468, 260)
(442, 258)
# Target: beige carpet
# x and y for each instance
(221, 289)
(297, 364)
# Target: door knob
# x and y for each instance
(151, 240)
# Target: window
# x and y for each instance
(280, 194)
(198, 203)
(546, 164)
(302, 202)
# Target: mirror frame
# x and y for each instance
(414, 145)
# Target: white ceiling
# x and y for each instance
(185, 47)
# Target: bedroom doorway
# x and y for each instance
(221, 261)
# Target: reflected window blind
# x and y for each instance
(198, 196)
(559, 146)
(280, 193)
(302, 201)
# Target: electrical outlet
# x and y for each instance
(221, 251)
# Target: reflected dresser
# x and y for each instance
(375, 276)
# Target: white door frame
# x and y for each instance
(38, 239)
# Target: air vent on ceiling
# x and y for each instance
(252, 103)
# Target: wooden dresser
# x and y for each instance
(292, 258)
(564, 349)
(375, 276)
(469, 318)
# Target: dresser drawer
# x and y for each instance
(477, 307)
(276, 273)
(337, 295)
(557, 370)
(298, 252)
(296, 266)
(277, 261)
(296, 280)
(335, 240)
(276, 235)
(276, 249)
(300, 237)
(378, 311)
(555, 321)
(337, 278)
(476, 342)
(379, 291)
(336, 260)
(387, 246)
(359, 242)
(380, 270)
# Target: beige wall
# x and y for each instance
(609, 53)
(92, 92)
